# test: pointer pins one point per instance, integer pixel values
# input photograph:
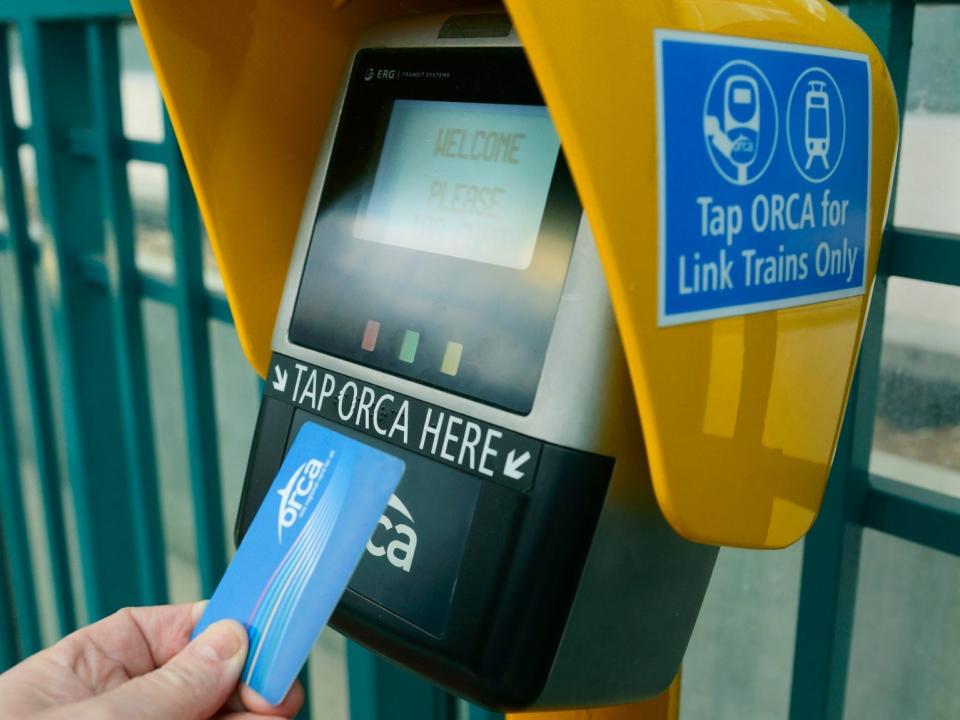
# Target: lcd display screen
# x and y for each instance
(445, 225)
(467, 180)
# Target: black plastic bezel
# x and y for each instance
(502, 316)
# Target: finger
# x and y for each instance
(245, 698)
(232, 703)
(167, 628)
(131, 642)
(192, 686)
(288, 707)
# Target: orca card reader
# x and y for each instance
(445, 304)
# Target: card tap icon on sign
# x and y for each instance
(737, 138)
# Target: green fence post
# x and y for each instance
(828, 587)
(831, 556)
(306, 711)
(478, 713)
(38, 386)
(18, 571)
(8, 642)
(133, 383)
(380, 690)
(192, 322)
(59, 85)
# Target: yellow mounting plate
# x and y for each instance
(740, 415)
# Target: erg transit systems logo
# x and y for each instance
(297, 494)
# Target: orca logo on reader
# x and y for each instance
(398, 542)
(297, 495)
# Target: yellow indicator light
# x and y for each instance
(451, 358)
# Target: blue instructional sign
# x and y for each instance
(764, 175)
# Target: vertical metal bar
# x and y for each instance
(59, 86)
(362, 683)
(132, 378)
(831, 559)
(8, 641)
(306, 712)
(13, 527)
(478, 713)
(889, 23)
(38, 385)
(380, 690)
(831, 555)
(198, 400)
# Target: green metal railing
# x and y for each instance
(80, 276)
(855, 498)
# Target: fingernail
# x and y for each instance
(222, 640)
(197, 610)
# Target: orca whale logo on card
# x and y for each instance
(763, 191)
(297, 494)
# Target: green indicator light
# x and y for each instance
(451, 358)
(408, 351)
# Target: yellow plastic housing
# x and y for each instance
(665, 706)
(740, 415)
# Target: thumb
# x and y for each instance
(194, 685)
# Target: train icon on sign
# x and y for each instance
(816, 129)
(816, 124)
(740, 122)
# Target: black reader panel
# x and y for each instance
(446, 582)
(414, 556)
(444, 245)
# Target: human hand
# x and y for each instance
(138, 664)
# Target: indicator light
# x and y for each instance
(370, 334)
(451, 358)
(408, 350)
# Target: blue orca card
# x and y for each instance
(301, 549)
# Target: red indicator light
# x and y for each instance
(370, 334)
